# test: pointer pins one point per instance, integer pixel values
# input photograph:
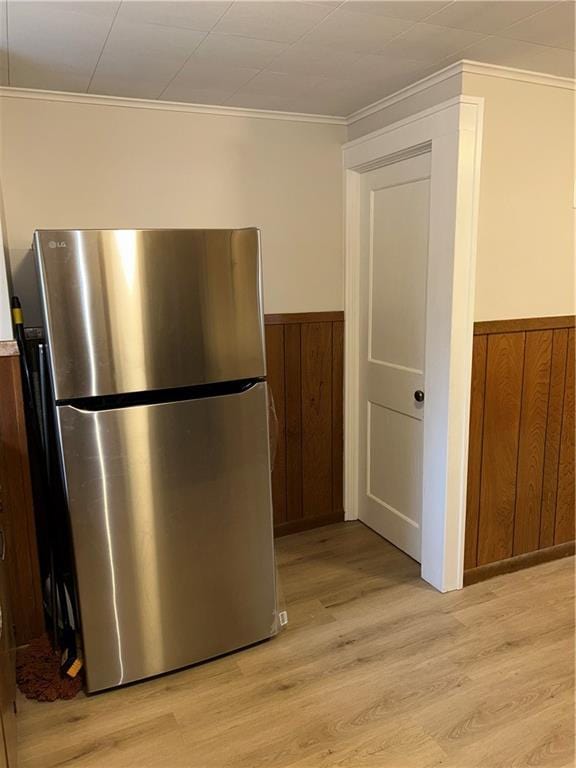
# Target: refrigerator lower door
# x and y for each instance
(171, 517)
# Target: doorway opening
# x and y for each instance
(411, 214)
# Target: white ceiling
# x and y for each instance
(325, 57)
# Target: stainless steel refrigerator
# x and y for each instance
(158, 376)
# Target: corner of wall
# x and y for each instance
(422, 95)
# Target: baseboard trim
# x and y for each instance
(306, 523)
(483, 572)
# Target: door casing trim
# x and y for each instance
(452, 131)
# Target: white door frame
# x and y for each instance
(452, 131)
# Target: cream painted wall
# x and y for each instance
(80, 165)
(526, 218)
(525, 262)
(87, 165)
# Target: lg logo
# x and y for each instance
(55, 244)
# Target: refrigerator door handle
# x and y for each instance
(160, 397)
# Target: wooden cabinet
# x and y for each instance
(7, 668)
(19, 580)
(16, 506)
(3, 754)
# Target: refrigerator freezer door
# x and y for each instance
(135, 310)
(171, 517)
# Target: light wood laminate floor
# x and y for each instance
(375, 669)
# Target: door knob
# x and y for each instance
(419, 396)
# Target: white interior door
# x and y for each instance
(395, 204)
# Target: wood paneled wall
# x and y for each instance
(305, 355)
(16, 506)
(521, 452)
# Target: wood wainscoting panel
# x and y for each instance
(553, 436)
(564, 526)
(275, 369)
(532, 440)
(293, 383)
(316, 346)
(521, 452)
(337, 416)
(305, 357)
(475, 451)
(502, 402)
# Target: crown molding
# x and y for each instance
(93, 99)
(405, 122)
(453, 70)
(457, 69)
(520, 75)
(405, 93)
